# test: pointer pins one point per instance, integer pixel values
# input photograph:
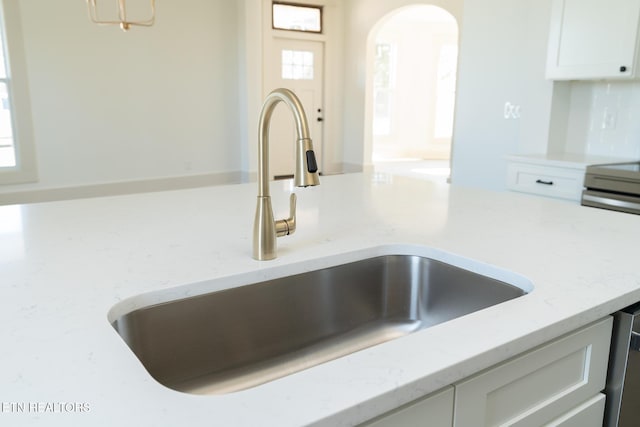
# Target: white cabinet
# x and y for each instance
(588, 414)
(563, 182)
(435, 410)
(559, 175)
(593, 39)
(556, 384)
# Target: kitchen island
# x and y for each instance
(68, 267)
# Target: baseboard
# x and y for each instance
(118, 188)
(349, 168)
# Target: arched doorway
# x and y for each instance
(411, 82)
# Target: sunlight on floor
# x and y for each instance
(434, 170)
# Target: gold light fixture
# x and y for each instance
(122, 21)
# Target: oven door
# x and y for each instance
(623, 376)
(617, 202)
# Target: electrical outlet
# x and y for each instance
(508, 107)
(517, 112)
(512, 111)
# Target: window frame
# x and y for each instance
(19, 99)
(307, 6)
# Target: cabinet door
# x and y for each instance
(435, 410)
(591, 39)
(535, 388)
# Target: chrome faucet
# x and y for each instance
(265, 229)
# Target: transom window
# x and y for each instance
(295, 17)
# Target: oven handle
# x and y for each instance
(611, 202)
(634, 344)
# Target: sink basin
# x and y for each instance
(234, 339)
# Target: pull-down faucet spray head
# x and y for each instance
(306, 172)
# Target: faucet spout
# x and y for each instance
(266, 229)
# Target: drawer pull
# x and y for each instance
(540, 181)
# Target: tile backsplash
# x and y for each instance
(604, 119)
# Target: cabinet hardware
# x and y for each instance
(623, 69)
(540, 181)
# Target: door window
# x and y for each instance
(297, 65)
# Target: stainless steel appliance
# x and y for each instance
(623, 379)
(614, 186)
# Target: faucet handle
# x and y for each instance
(284, 227)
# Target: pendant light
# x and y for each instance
(122, 21)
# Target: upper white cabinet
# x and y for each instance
(593, 39)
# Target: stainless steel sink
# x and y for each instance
(238, 338)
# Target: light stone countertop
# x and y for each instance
(65, 267)
(566, 160)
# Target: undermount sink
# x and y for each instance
(238, 338)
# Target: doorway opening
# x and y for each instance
(411, 92)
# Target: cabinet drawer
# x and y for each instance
(546, 180)
(540, 386)
(435, 410)
(589, 414)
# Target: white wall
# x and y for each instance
(502, 59)
(152, 103)
(602, 119)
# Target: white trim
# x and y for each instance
(119, 188)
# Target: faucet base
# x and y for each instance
(264, 231)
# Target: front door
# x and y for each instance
(296, 65)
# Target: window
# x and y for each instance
(295, 17)
(446, 91)
(7, 149)
(297, 65)
(383, 83)
(17, 157)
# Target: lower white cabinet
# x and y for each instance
(539, 386)
(589, 414)
(435, 410)
(556, 384)
(551, 181)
